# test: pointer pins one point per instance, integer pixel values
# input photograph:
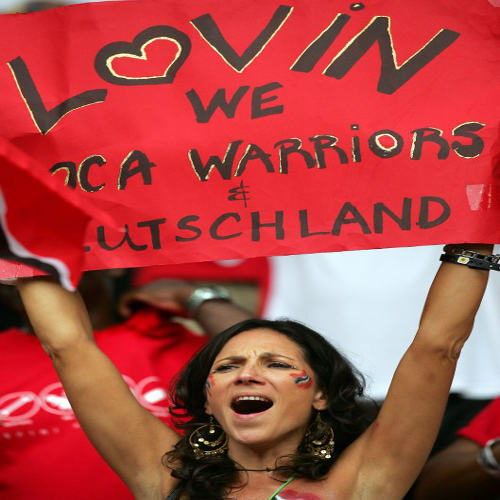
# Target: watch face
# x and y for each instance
(214, 292)
(203, 294)
(207, 293)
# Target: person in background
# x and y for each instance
(43, 452)
(470, 467)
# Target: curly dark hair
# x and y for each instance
(348, 413)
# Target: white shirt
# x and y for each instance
(368, 305)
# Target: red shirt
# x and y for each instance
(485, 425)
(44, 455)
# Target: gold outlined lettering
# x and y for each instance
(296, 147)
(83, 172)
(224, 167)
(71, 172)
(317, 48)
(209, 31)
(253, 152)
(435, 136)
(46, 119)
(104, 59)
(143, 57)
(320, 145)
(392, 75)
(477, 142)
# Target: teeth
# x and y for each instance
(251, 398)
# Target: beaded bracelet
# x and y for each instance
(469, 258)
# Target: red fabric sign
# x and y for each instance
(211, 130)
(55, 249)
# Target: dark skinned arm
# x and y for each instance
(213, 316)
(455, 473)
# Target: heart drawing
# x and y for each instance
(136, 50)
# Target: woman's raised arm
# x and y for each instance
(393, 450)
(128, 437)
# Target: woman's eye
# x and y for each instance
(223, 368)
(279, 364)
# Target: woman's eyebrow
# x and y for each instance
(231, 358)
(263, 355)
(275, 355)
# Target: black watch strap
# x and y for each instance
(471, 259)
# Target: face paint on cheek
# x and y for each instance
(302, 379)
(209, 384)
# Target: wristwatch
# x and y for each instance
(486, 459)
(474, 260)
(204, 293)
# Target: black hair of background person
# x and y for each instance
(11, 315)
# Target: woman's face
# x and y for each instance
(261, 390)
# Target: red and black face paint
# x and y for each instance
(302, 379)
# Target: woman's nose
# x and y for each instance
(249, 374)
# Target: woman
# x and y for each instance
(271, 411)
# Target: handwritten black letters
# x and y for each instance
(378, 31)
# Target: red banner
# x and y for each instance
(43, 229)
(211, 130)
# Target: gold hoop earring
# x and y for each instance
(321, 445)
(208, 440)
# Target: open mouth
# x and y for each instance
(245, 405)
